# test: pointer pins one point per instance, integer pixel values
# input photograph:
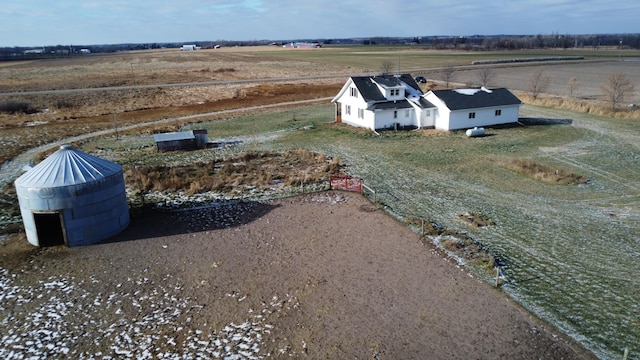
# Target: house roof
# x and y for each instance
(368, 85)
(424, 103)
(65, 167)
(460, 99)
(387, 105)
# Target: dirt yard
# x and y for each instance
(320, 276)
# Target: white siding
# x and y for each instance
(355, 103)
(483, 117)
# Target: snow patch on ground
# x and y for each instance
(155, 325)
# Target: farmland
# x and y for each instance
(567, 252)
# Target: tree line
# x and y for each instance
(477, 43)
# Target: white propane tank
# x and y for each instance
(475, 132)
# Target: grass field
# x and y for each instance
(569, 251)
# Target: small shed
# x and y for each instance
(72, 198)
(182, 140)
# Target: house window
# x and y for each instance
(395, 114)
(347, 110)
(395, 92)
(406, 113)
(354, 92)
(361, 113)
(498, 112)
(428, 112)
(472, 115)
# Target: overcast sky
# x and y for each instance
(53, 22)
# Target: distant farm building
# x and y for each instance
(72, 198)
(183, 140)
(397, 101)
(302, 45)
(189, 47)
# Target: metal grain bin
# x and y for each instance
(72, 198)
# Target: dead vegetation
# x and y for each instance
(251, 170)
(544, 173)
(476, 220)
(80, 113)
(458, 243)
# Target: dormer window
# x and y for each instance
(395, 92)
(353, 92)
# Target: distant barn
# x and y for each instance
(182, 140)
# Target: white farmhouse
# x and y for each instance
(396, 101)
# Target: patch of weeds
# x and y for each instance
(252, 170)
(476, 220)
(17, 107)
(544, 173)
(458, 244)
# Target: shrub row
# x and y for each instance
(15, 107)
(507, 61)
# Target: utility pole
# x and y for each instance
(133, 76)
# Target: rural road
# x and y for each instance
(11, 169)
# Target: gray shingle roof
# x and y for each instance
(387, 105)
(476, 98)
(368, 85)
(174, 136)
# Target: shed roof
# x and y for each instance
(65, 167)
(174, 136)
(460, 99)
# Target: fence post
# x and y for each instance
(422, 227)
(497, 276)
(626, 353)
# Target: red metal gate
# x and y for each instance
(346, 182)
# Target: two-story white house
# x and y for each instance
(381, 102)
(396, 101)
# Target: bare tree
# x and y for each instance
(447, 74)
(387, 65)
(538, 83)
(617, 87)
(572, 84)
(486, 75)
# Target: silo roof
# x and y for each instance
(65, 167)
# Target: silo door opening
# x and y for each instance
(49, 228)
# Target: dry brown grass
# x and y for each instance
(544, 173)
(253, 169)
(593, 107)
(476, 220)
(63, 115)
(96, 111)
(459, 243)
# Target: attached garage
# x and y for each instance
(72, 198)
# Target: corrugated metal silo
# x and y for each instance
(72, 198)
